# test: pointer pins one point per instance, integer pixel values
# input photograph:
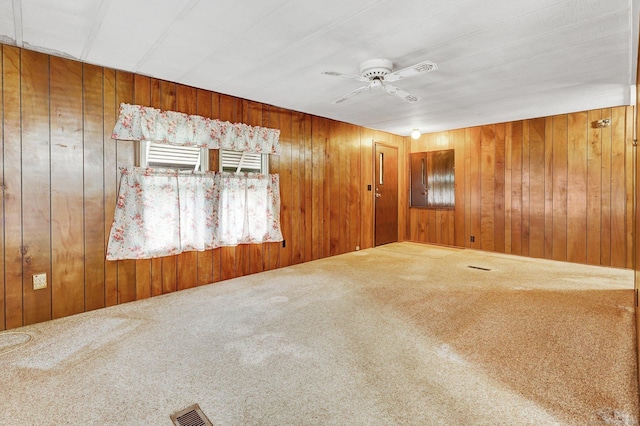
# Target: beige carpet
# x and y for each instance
(400, 334)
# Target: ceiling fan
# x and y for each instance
(377, 74)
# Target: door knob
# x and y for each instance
(378, 195)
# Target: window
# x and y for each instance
(239, 161)
(433, 179)
(173, 156)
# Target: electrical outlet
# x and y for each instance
(472, 239)
(39, 281)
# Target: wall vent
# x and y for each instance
(190, 416)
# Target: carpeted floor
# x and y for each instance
(402, 334)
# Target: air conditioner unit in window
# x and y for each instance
(238, 161)
(173, 156)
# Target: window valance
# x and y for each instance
(137, 122)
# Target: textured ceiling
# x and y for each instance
(498, 60)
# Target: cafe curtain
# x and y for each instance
(166, 212)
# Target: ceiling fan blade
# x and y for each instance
(351, 94)
(405, 96)
(345, 76)
(422, 67)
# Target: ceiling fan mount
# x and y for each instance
(378, 73)
(375, 68)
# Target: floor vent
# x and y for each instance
(479, 267)
(190, 416)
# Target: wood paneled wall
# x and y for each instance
(554, 187)
(60, 171)
(636, 213)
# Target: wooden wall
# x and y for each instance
(60, 172)
(553, 187)
(636, 213)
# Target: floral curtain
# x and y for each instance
(141, 123)
(166, 212)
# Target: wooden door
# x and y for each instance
(386, 194)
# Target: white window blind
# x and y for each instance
(173, 156)
(239, 161)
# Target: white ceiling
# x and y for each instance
(499, 60)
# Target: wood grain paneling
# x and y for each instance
(487, 187)
(475, 187)
(36, 181)
(61, 177)
(618, 180)
(2, 242)
(111, 178)
(499, 191)
(633, 183)
(59, 199)
(366, 188)
(516, 187)
(605, 213)
(561, 188)
(142, 96)
(319, 134)
(457, 138)
(548, 188)
(560, 154)
(306, 156)
(298, 188)
(67, 162)
(508, 164)
(630, 189)
(577, 188)
(332, 165)
(12, 144)
(594, 188)
(286, 185)
(633, 118)
(93, 184)
(525, 234)
(354, 197)
(536, 192)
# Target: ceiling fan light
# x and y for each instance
(415, 134)
(375, 83)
